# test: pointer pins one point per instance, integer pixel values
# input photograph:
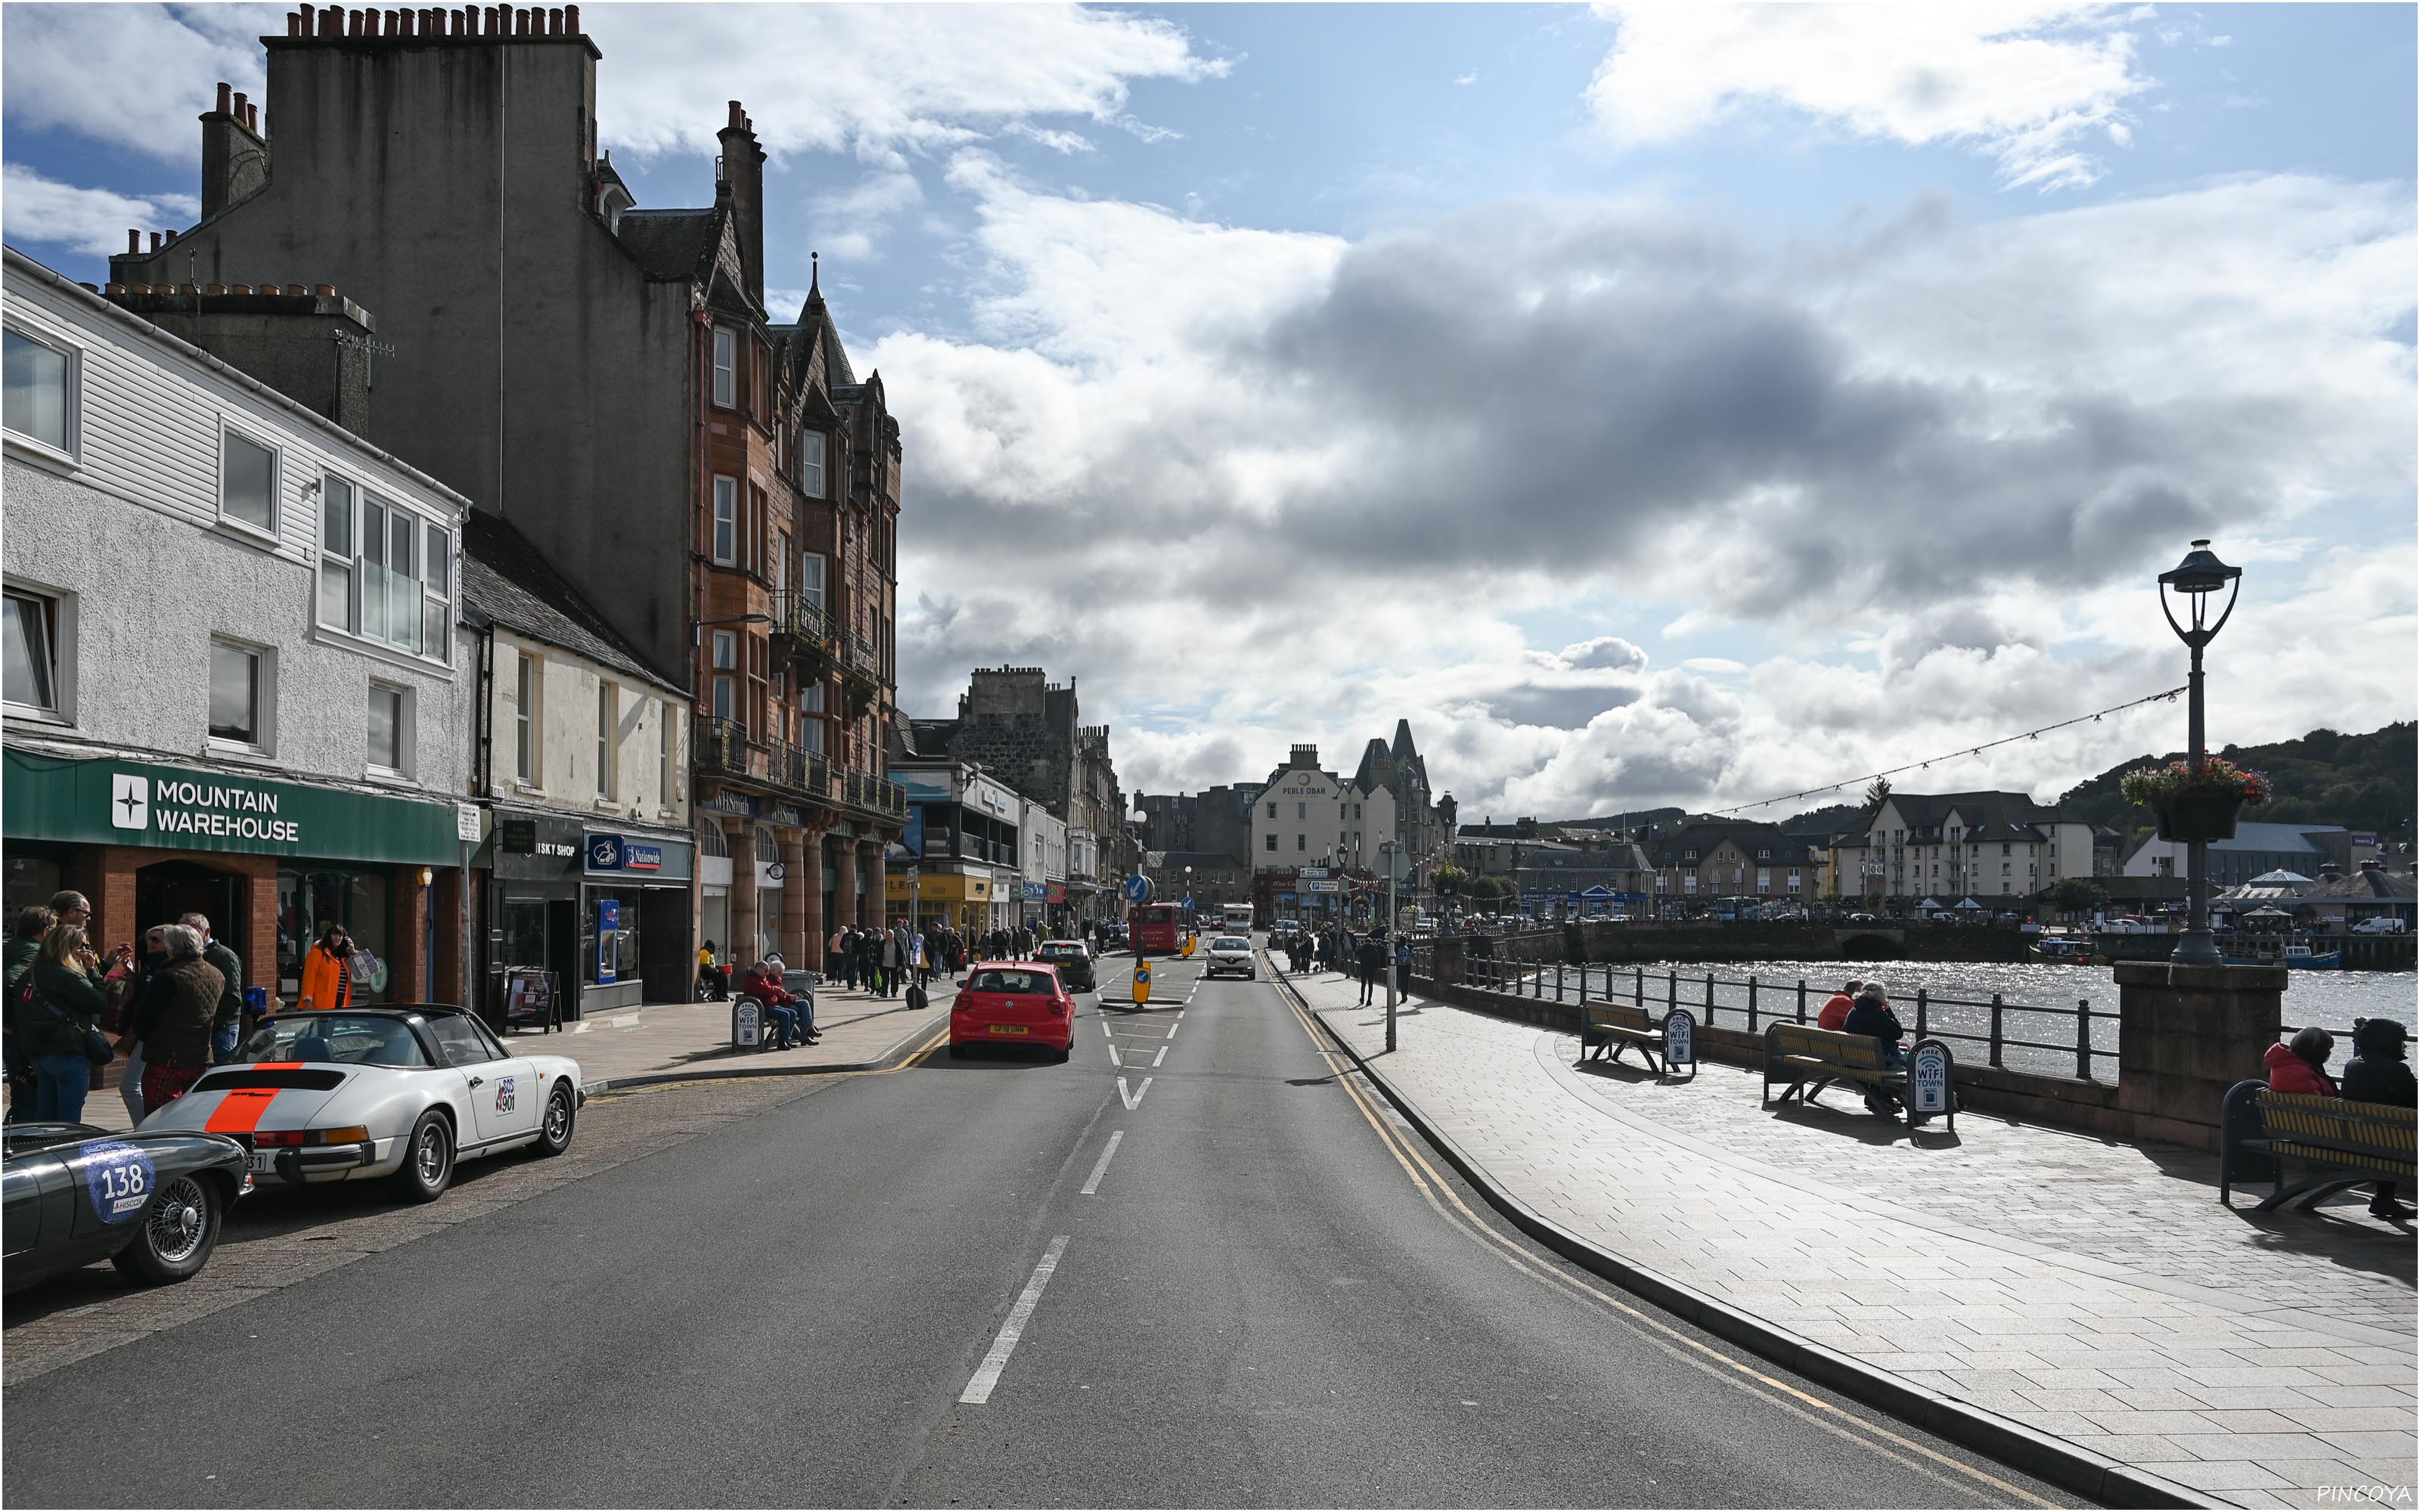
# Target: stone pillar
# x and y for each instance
(2186, 1034)
(746, 943)
(844, 883)
(407, 936)
(795, 925)
(810, 877)
(452, 984)
(1445, 960)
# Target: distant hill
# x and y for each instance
(1828, 820)
(2359, 781)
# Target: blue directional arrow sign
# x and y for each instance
(1137, 889)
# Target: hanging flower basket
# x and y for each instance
(2195, 806)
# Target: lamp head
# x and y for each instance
(2200, 572)
(2197, 577)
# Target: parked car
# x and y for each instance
(398, 1093)
(151, 1204)
(1013, 1002)
(1074, 960)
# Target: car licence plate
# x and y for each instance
(261, 1162)
(1008, 1028)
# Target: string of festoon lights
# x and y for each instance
(1847, 783)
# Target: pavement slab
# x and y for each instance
(2087, 1288)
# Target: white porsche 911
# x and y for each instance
(398, 1092)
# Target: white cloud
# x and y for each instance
(44, 212)
(1713, 664)
(1056, 140)
(852, 222)
(2030, 83)
(132, 75)
(1966, 450)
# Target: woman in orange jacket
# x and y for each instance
(327, 976)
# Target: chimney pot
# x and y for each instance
(520, 23)
(252, 117)
(133, 241)
(214, 289)
(293, 23)
(238, 104)
(310, 14)
(90, 288)
(353, 24)
(323, 290)
(172, 235)
(113, 288)
(393, 21)
(571, 21)
(240, 288)
(226, 106)
(554, 21)
(739, 117)
(331, 21)
(155, 242)
(186, 288)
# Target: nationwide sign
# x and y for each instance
(135, 803)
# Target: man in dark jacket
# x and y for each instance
(1872, 1014)
(2377, 1073)
(1372, 959)
(226, 1024)
(25, 943)
(173, 1014)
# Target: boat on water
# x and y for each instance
(2065, 950)
(2296, 957)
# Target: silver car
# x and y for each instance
(1230, 952)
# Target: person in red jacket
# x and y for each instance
(1836, 1008)
(2300, 1065)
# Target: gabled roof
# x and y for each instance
(671, 244)
(2008, 816)
(1704, 839)
(506, 582)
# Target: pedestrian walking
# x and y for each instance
(1403, 963)
(920, 957)
(25, 943)
(327, 972)
(891, 959)
(226, 1021)
(1372, 958)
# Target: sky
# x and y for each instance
(1658, 404)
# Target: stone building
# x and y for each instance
(1017, 724)
(720, 485)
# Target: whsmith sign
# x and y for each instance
(129, 803)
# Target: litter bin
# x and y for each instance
(747, 1024)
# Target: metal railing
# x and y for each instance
(720, 746)
(794, 767)
(802, 619)
(2026, 1037)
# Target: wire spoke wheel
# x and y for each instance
(180, 1221)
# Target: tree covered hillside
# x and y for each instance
(2359, 781)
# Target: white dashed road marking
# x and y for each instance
(1133, 1098)
(987, 1375)
(1093, 1183)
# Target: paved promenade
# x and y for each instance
(2092, 1290)
(669, 1039)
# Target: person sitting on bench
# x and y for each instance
(1836, 1008)
(2378, 1074)
(2300, 1066)
(1872, 1014)
(791, 1020)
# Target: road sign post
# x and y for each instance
(1141, 982)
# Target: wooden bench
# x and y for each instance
(2339, 1143)
(1803, 1059)
(1617, 1027)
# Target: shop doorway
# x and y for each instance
(166, 891)
(563, 950)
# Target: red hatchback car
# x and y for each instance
(1013, 1002)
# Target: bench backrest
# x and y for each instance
(2370, 1134)
(1618, 1016)
(1859, 1052)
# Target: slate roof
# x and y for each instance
(669, 243)
(2374, 882)
(1992, 816)
(506, 582)
(1703, 838)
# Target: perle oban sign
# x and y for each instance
(183, 805)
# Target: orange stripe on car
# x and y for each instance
(242, 1110)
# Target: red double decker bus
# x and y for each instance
(1157, 929)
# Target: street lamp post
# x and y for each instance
(1393, 858)
(2196, 577)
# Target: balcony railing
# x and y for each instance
(724, 748)
(720, 746)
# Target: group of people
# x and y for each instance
(1864, 1008)
(2379, 1071)
(1334, 948)
(884, 960)
(174, 1009)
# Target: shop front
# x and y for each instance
(972, 905)
(599, 918)
(270, 863)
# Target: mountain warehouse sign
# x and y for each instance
(133, 803)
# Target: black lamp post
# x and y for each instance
(2198, 578)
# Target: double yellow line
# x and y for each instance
(1431, 1184)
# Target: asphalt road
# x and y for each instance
(1195, 1266)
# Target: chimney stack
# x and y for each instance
(743, 170)
(235, 160)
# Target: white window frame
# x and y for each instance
(71, 453)
(813, 446)
(264, 700)
(529, 694)
(427, 532)
(814, 573)
(57, 611)
(276, 483)
(726, 368)
(403, 729)
(608, 742)
(663, 755)
(724, 545)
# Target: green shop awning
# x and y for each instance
(133, 803)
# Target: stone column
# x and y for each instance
(795, 916)
(877, 878)
(2186, 1034)
(746, 944)
(844, 884)
(810, 879)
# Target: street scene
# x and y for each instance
(1463, 755)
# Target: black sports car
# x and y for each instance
(150, 1204)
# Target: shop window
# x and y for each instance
(767, 849)
(309, 900)
(33, 677)
(390, 743)
(237, 696)
(41, 405)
